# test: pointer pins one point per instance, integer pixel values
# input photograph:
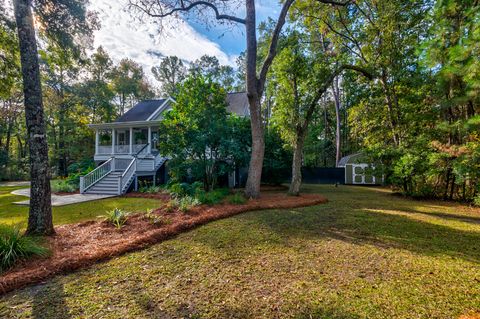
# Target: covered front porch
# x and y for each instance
(124, 140)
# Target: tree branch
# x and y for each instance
(184, 8)
(327, 83)
(272, 50)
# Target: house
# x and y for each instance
(360, 171)
(128, 148)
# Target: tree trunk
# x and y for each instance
(40, 214)
(252, 188)
(390, 106)
(296, 182)
(338, 145)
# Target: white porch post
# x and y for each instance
(97, 139)
(113, 141)
(149, 147)
(131, 140)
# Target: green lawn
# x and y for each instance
(365, 254)
(12, 214)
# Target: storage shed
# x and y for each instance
(359, 171)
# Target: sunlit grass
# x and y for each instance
(13, 214)
(364, 254)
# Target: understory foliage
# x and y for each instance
(187, 195)
(14, 246)
(420, 114)
(117, 217)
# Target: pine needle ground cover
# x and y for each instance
(364, 254)
(79, 245)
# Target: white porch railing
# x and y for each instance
(95, 175)
(122, 149)
(102, 149)
(126, 176)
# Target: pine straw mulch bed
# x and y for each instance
(79, 245)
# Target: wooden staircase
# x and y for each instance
(115, 176)
(108, 185)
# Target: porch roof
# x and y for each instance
(124, 124)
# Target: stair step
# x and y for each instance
(111, 183)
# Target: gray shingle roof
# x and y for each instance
(141, 111)
(237, 104)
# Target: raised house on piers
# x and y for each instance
(128, 148)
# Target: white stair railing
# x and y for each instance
(95, 175)
(126, 176)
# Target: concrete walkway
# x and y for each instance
(58, 200)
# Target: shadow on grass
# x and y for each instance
(358, 221)
(49, 302)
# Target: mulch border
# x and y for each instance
(32, 271)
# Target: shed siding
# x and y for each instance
(348, 174)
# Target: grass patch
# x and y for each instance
(364, 254)
(14, 246)
(13, 214)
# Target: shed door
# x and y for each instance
(359, 176)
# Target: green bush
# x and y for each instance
(237, 198)
(150, 189)
(185, 203)
(213, 197)
(184, 189)
(155, 219)
(476, 200)
(63, 185)
(14, 246)
(117, 217)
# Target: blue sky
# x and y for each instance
(145, 42)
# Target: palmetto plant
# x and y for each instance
(117, 217)
(15, 246)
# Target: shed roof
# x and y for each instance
(141, 111)
(349, 159)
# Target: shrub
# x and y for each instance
(150, 189)
(213, 197)
(476, 200)
(184, 189)
(185, 203)
(117, 217)
(63, 185)
(237, 198)
(14, 246)
(155, 219)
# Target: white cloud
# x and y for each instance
(143, 41)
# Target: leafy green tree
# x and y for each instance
(171, 72)
(97, 92)
(209, 66)
(130, 84)
(198, 133)
(303, 73)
